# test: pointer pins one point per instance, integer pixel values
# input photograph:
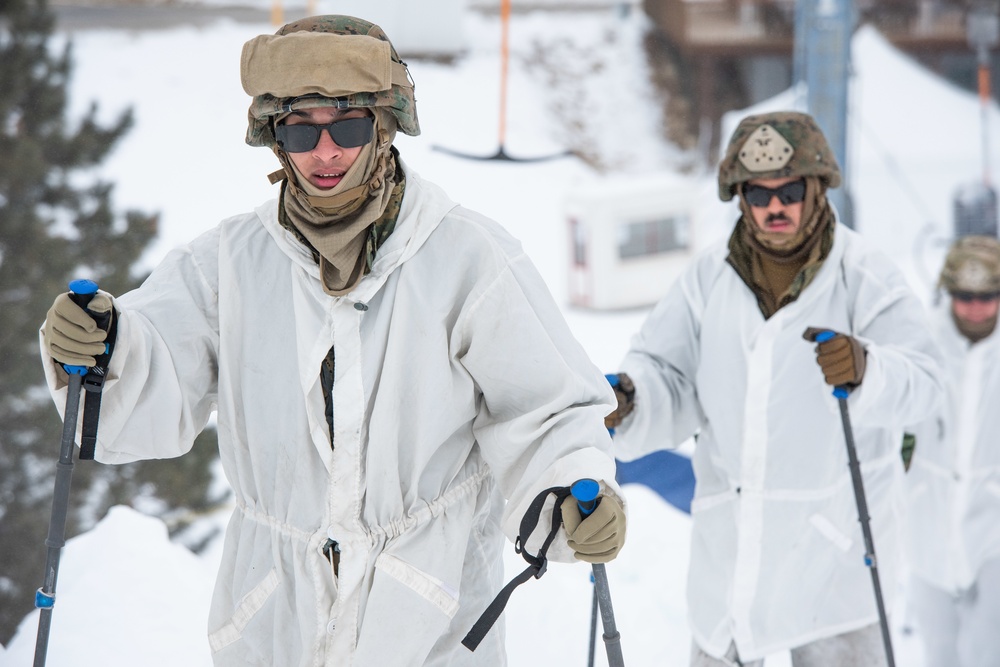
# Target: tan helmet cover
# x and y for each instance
(324, 61)
(972, 265)
(776, 145)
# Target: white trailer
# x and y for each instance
(629, 239)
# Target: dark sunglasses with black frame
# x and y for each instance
(347, 133)
(789, 193)
(969, 297)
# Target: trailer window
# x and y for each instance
(652, 237)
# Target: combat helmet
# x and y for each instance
(776, 145)
(312, 70)
(972, 265)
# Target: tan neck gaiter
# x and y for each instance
(337, 222)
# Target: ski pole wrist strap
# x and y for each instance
(93, 385)
(537, 564)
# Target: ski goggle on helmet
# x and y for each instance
(347, 133)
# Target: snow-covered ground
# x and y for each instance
(127, 595)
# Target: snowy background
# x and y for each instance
(128, 595)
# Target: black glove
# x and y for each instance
(625, 393)
(842, 357)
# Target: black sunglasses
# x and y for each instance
(348, 133)
(789, 193)
(969, 297)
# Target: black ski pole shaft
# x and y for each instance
(586, 491)
(841, 393)
(45, 597)
(865, 520)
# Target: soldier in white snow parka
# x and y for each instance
(777, 554)
(394, 384)
(953, 541)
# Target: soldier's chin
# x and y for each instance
(781, 237)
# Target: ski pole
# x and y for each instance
(841, 392)
(586, 491)
(592, 648)
(81, 292)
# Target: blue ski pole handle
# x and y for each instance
(840, 391)
(81, 291)
(586, 492)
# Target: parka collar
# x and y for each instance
(420, 214)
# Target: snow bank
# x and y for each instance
(125, 596)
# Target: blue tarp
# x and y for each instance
(667, 473)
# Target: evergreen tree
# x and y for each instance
(53, 229)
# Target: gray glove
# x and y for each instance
(599, 537)
(70, 335)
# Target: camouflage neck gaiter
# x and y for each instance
(778, 276)
(336, 222)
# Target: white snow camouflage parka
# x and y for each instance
(457, 384)
(776, 549)
(954, 478)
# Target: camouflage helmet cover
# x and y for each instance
(972, 265)
(776, 145)
(398, 100)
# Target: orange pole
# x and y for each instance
(504, 52)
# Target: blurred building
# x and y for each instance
(734, 53)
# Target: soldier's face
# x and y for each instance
(776, 216)
(975, 308)
(326, 163)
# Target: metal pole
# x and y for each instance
(586, 492)
(823, 51)
(859, 496)
(504, 57)
(45, 597)
(983, 33)
(81, 292)
(592, 649)
(612, 638)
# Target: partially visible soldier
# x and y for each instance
(953, 542)
(777, 555)
(393, 382)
